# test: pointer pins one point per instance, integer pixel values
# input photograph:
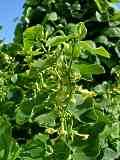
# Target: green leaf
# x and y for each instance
(112, 32)
(96, 115)
(38, 64)
(71, 28)
(14, 78)
(115, 130)
(7, 107)
(82, 30)
(28, 12)
(46, 119)
(4, 126)
(61, 150)
(23, 112)
(116, 16)
(9, 149)
(68, 49)
(103, 136)
(43, 64)
(90, 46)
(100, 89)
(21, 117)
(88, 69)
(52, 16)
(115, 69)
(36, 148)
(102, 40)
(80, 155)
(26, 106)
(77, 31)
(2, 153)
(32, 35)
(102, 52)
(87, 45)
(109, 154)
(31, 2)
(102, 5)
(80, 107)
(55, 41)
(14, 151)
(117, 48)
(76, 49)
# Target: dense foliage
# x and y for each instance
(60, 83)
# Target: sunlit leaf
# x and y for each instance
(52, 16)
(55, 41)
(102, 52)
(82, 30)
(32, 35)
(88, 69)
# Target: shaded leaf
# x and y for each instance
(117, 48)
(112, 32)
(109, 154)
(102, 40)
(14, 78)
(36, 149)
(46, 119)
(61, 150)
(80, 155)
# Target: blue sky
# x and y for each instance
(9, 10)
(117, 6)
